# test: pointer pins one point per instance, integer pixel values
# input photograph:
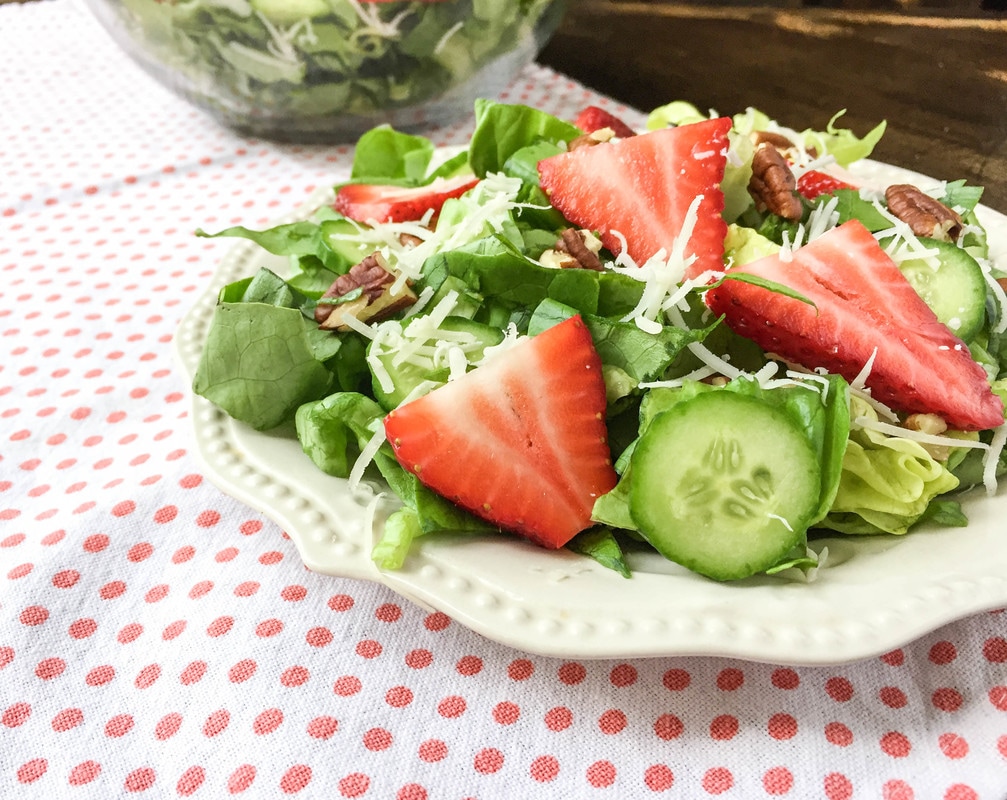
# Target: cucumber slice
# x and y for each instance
(955, 291)
(353, 251)
(724, 485)
(407, 376)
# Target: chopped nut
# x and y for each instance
(599, 136)
(408, 240)
(924, 215)
(374, 300)
(777, 140)
(577, 249)
(925, 423)
(933, 425)
(557, 259)
(787, 148)
(583, 246)
(773, 185)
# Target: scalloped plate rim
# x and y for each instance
(558, 604)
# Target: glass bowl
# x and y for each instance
(325, 71)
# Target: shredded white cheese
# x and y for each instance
(511, 338)
(421, 330)
(904, 244)
(675, 383)
(823, 219)
(422, 299)
(992, 459)
(367, 453)
(860, 382)
(998, 294)
(814, 377)
(898, 431)
(365, 330)
(879, 408)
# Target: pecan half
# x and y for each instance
(367, 289)
(577, 249)
(924, 215)
(773, 185)
(583, 246)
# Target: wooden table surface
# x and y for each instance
(941, 82)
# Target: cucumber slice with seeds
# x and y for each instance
(724, 485)
(955, 291)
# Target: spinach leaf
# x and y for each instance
(642, 356)
(385, 155)
(302, 238)
(502, 129)
(259, 363)
(600, 544)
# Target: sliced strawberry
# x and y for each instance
(814, 183)
(862, 303)
(366, 202)
(642, 187)
(593, 119)
(520, 441)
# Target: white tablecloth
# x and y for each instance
(158, 637)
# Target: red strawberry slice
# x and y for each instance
(366, 202)
(520, 441)
(593, 119)
(642, 187)
(862, 303)
(814, 183)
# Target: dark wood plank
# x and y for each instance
(941, 82)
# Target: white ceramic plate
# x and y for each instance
(875, 594)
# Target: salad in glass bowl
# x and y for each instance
(714, 340)
(327, 70)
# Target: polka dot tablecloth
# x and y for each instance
(159, 638)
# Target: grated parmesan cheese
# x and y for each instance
(823, 219)
(899, 432)
(860, 382)
(904, 244)
(992, 459)
(367, 453)
(419, 332)
(511, 338)
(663, 274)
(998, 294)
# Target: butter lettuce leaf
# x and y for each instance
(887, 482)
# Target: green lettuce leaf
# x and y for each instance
(385, 155)
(600, 544)
(259, 363)
(887, 482)
(503, 129)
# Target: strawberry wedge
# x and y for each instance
(642, 187)
(367, 202)
(863, 304)
(593, 118)
(815, 183)
(520, 441)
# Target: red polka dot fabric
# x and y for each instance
(160, 639)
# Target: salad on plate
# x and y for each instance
(715, 339)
